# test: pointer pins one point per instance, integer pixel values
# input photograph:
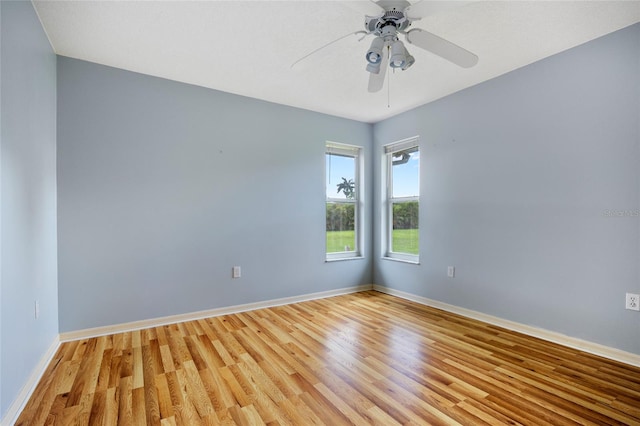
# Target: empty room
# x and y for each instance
(319, 212)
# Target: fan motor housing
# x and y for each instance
(394, 17)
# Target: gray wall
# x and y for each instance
(517, 176)
(28, 197)
(2, 409)
(163, 187)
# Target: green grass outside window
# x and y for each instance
(404, 241)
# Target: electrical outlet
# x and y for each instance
(36, 309)
(632, 302)
(236, 272)
(451, 271)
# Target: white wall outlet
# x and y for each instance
(36, 309)
(236, 272)
(451, 271)
(632, 302)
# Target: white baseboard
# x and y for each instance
(551, 336)
(156, 322)
(25, 393)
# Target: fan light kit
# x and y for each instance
(394, 19)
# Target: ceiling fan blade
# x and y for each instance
(363, 33)
(376, 81)
(441, 47)
(364, 7)
(425, 8)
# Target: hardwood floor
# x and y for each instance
(364, 358)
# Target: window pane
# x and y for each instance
(405, 236)
(341, 176)
(342, 204)
(406, 173)
(341, 230)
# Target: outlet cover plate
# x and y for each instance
(632, 302)
(451, 271)
(236, 272)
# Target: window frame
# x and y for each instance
(354, 151)
(390, 200)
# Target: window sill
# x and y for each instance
(341, 259)
(395, 259)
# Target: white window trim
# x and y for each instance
(387, 211)
(356, 152)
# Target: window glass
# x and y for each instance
(342, 201)
(341, 176)
(406, 173)
(403, 200)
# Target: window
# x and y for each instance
(343, 201)
(402, 200)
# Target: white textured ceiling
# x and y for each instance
(247, 47)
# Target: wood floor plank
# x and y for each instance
(125, 402)
(165, 405)
(219, 394)
(152, 407)
(364, 358)
(346, 409)
(111, 409)
(98, 408)
(326, 412)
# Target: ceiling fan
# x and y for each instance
(390, 19)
